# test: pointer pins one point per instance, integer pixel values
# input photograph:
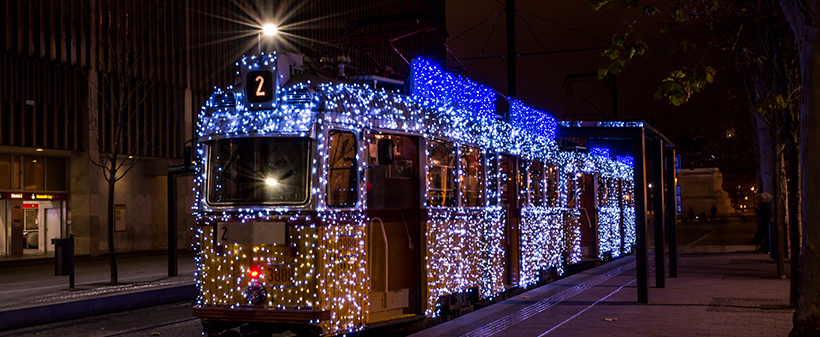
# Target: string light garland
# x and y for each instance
(326, 247)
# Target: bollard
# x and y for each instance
(64, 258)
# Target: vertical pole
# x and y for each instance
(671, 212)
(511, 48)
(641, 253)
(658, 208)
(172, 224)
(614, 96)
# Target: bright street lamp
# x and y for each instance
(268, 30)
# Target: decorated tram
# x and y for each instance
(328, 206)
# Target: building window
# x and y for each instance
(34, 176)
(5, 172)
(472, 177)
(55, 174)
(440, 176)
(342, 190)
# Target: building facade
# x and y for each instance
(85, 82)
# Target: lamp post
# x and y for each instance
(268, 30)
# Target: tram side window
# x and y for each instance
(441, 175)
(472, 178)
(342, 190)
(551, 191)
(536, 184)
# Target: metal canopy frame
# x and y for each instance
(644, 143)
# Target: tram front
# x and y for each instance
(271, 257)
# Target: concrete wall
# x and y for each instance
(143, 191)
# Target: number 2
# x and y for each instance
(261, 80)
(224, 233)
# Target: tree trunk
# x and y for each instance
(802, 16)
(793, 178)
(112, 259)
(776, 231)
(766, 150)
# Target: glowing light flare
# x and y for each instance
(270, 29)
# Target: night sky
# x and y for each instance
(565, 25)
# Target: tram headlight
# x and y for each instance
(256, 294)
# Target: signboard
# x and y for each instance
(251, 233)
(259, 87)
(33, 196)
(31, 206)
(677, 199)
(677, 163)
(119, 218)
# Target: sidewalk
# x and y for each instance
(720, 291)
(30, 294)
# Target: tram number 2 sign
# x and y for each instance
(259, 86)
(279, 275)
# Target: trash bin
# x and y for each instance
(64, 256)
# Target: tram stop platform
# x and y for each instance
(719, 291)
(30, 294)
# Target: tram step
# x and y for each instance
(392, 305)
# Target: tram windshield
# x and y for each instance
(258, 171)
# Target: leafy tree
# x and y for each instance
(763, 37)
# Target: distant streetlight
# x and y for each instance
(268, 30)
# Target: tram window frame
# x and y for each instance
(464, 178)
(573, 179)
(352, 178)
(247, 150)
(446, 199)
(493, 172)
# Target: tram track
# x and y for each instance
(163, 325)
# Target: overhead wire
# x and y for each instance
(488, 38)
(474, 27)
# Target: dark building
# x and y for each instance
(81, 80)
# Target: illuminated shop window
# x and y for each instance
(441, 175)
(342, 165)
(472, 177)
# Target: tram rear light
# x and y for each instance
(254, 273)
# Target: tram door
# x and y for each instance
(508, 201)
(589, 215)
(394, 230)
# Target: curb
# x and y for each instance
(49, 313)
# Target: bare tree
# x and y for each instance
(123, 81)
